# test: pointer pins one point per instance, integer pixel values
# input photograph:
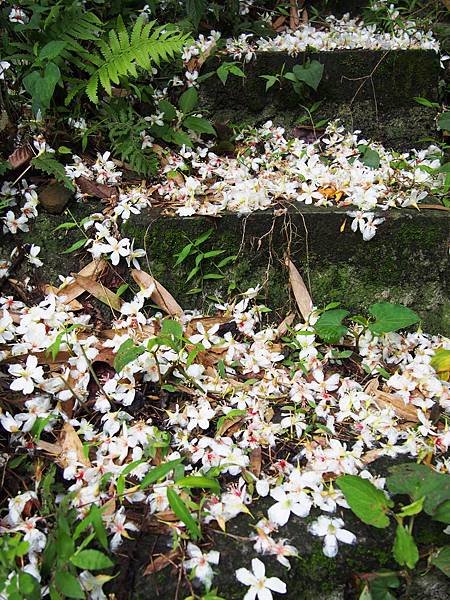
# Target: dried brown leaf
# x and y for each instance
(406, 412)
(99, 291)
(255, 461)
(160, 296)
(93, 270)
(98, 190)
(230, 426)
(161, 562)
(301, 294)
(20, 157)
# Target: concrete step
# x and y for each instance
(370, 90)
(406, 261)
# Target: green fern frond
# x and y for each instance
(46, 163)
(121, 53)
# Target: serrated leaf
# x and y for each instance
(442, 560)
(68, 585)
(126, 353)
(329, 325)
(367, 502)
(183, 513)
(391, 317)
(405, 549)
(310, 73)
(188, 100)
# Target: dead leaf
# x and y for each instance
(294, 20)
(160, 296)
(301, 294)
(98, 190)
(279, 22)
(99, 291)
(68, 450)
(93, 270)
(406, 412)
(20, 157)
(230, 426)
(255, 461)
(434, 207)
(161, 562)
(282, 328)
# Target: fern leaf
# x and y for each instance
(45, 162)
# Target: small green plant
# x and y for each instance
(202, 270)
(384, 318)
(14, 582)
(429, 493)
(305, 77)
(229, 68)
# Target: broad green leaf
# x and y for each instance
(29, 586)
(169, 110)
(198, 481)
(188, 100)
(195, 9)
(444, 121)
(329, 325)
(310, 73)
(369, 157)
(405, 549)
(442, 560)
(367, 502)
(92, 560)
(380, 586)
(68, 585)
(419, 481)
(159, 472)
(41, 88)
(52, 50)
(183, 513)
(199, 125)
(391, 317)
(172, 328)
(126, 353)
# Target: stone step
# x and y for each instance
(370, 90)
(406, 261)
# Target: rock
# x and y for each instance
(54, 198)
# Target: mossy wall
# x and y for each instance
(368, 90)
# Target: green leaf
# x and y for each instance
(367, 502)
(213, 276)
(183, 513)
(195, 9)
(310, 73)
(391, 317)
(444, 121)
(159, 472)
(41, 88)
(68, 585)
(29, 586)
(369, 157)
(405, 549)
(199, 125)
(126, 353)
(183, 254)
(171, 328)
(52, 50)
(235, 412)
(203, 237)
(93, 560)
(194, 481)
(442, 560)
(412, 509)
(419, 481)
(169, 110)
(329, 325)
(188, 100)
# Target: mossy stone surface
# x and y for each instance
(405, 262)
(369, 90)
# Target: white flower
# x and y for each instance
(33, 256)
(26, 377)
(4, 66)
(297, 502)
(332, 530)
(261, 587)
(201, 563)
